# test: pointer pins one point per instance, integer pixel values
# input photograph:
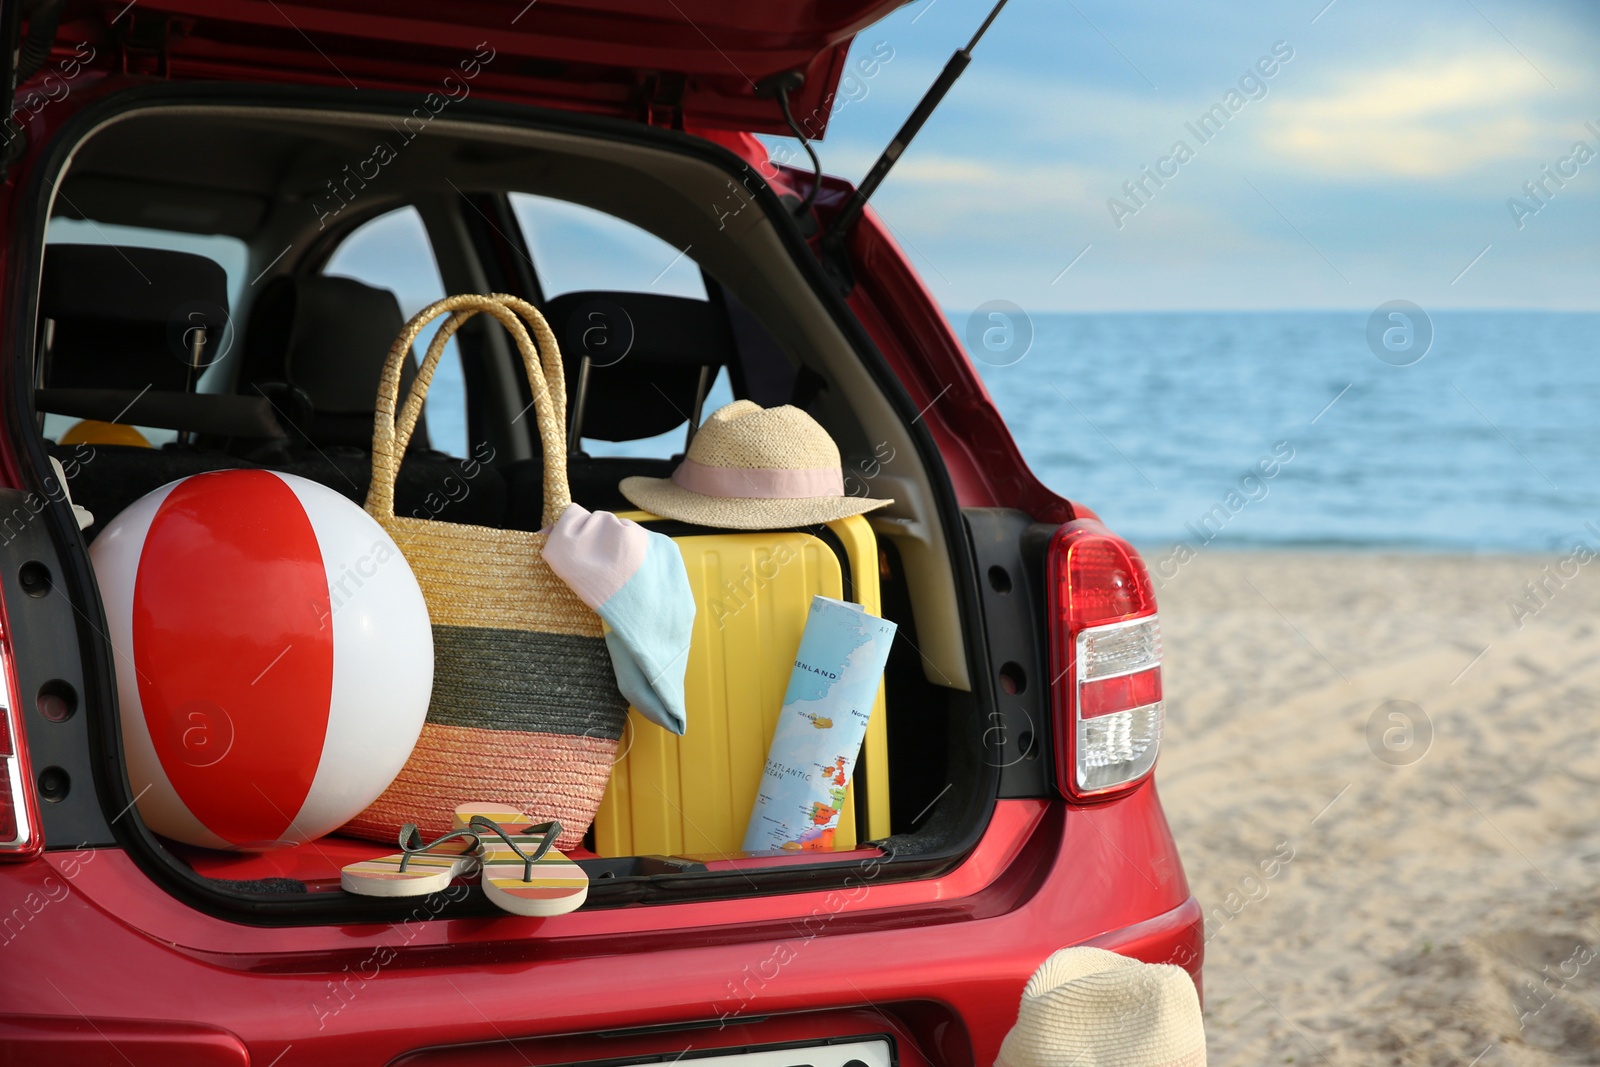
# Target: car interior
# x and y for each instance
(292, 267)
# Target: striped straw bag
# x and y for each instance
(525, 709)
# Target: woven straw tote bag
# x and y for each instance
(525, 709)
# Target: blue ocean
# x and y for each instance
(1167, 423)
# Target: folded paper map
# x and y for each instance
(837, 672)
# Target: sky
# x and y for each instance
(1376, 162)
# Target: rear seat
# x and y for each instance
(316, 346)
(315, 349)
(116, 327)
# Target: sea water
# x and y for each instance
(1285, 429)
(1168, 423)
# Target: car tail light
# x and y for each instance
(1105, 659)
(19, 812)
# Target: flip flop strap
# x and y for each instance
(411, 843)
(551, 831)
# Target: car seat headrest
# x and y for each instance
(651, 356)
(129, 318)
(333, 335)
(326, 338)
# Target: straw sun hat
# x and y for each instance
(1087, 1007)
(753, 468)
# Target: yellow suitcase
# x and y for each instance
(691, 795)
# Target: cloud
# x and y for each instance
(1391, 141)
(1432, 119)
(980, 196)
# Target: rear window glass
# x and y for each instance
(392, 252)
(577, 249)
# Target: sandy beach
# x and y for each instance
(1375, 895)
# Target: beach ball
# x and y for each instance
(273, 657)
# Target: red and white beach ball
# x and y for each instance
(273, 655)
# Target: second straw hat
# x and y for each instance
(753, 468)
(1086, 1007)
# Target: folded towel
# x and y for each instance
(635, 581)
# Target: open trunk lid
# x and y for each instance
(666, 62)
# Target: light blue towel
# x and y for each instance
(636, 582)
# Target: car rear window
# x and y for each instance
(392, 252)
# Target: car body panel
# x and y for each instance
(986, 467)
(70, 1040)
(1040, 880)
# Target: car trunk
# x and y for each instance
(269, 153)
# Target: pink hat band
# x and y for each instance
(759, 483)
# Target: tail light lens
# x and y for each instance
(19, 812)
(1105, 659)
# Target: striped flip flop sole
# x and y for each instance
(425, 873)
(558, 885)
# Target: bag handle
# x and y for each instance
(549, 359)
(391, 433)
(549, 352)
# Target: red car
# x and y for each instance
(554, 151)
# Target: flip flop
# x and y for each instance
(521, 872)
(417, 869)
(498, 812)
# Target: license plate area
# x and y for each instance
(850, 1052)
